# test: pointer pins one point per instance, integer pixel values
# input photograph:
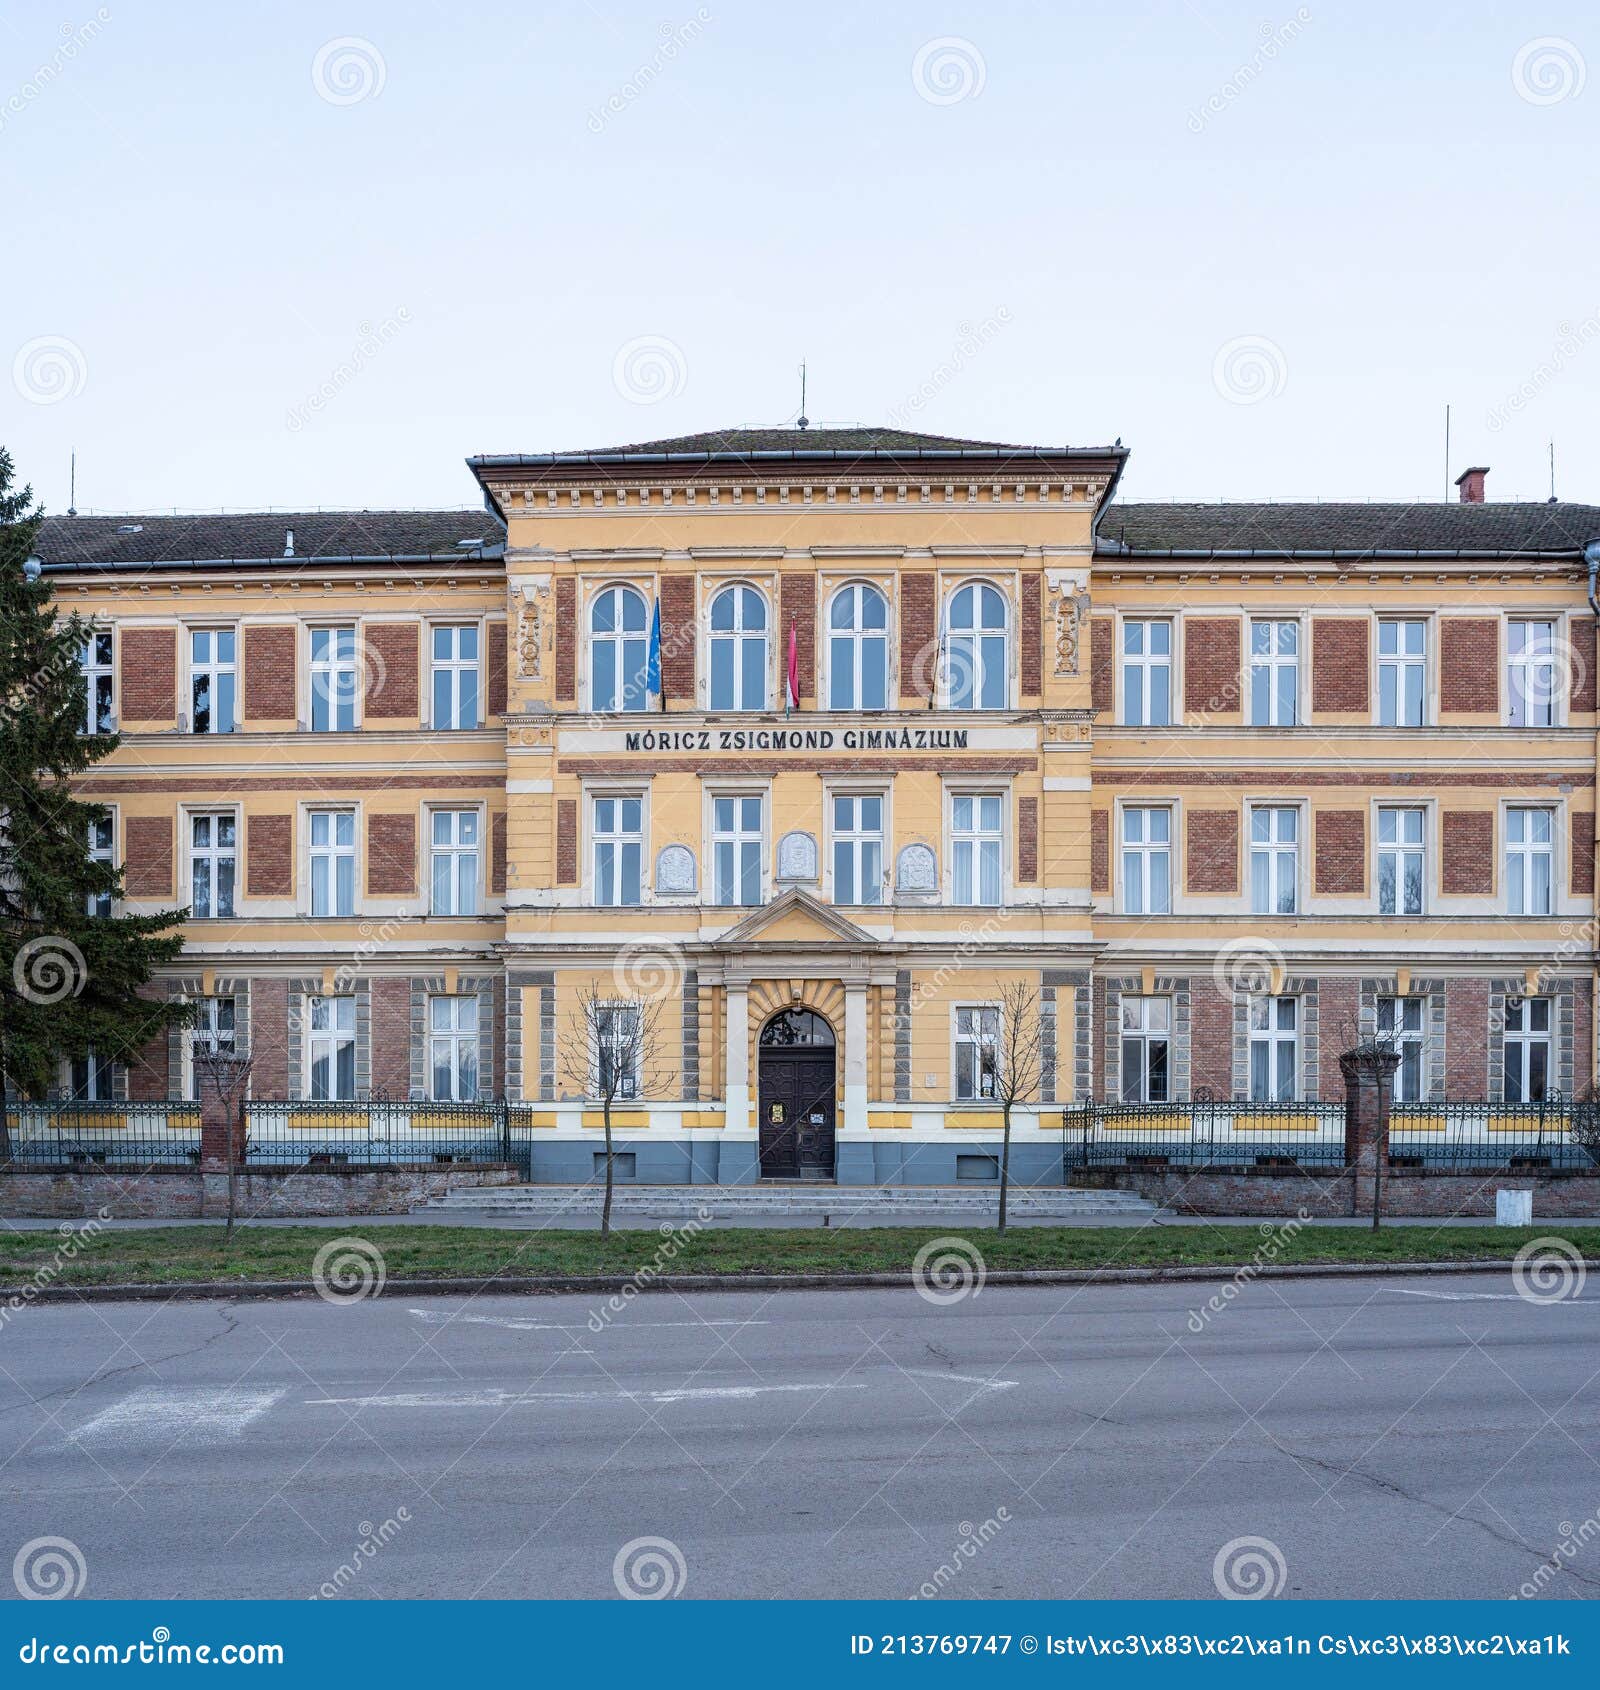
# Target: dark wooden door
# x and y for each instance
(797, 1116)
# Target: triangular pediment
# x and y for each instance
(796, 918)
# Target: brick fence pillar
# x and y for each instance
(218, 1124)
(1368, 1089)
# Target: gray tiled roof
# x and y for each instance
(126, 542)
(792, 442)
(1350, 530)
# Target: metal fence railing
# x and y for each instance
(1202, 1133)
(1554, 1134)
(87, 1135)
(299, 1133)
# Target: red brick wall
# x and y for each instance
(1582, 1039)
(269, 856)
(391, 855)
(391, 1035)
(497, 852)
(1581, 691)
(1102, 680)
(148, 1080)
(495, 657)
(269, 673)
(392, 672)
(1341, 852)
(1027, 840)
(1339, 1024)
(1469, 663)
(149, 675)
(1210, 1036)
(1582, 824)
(917, 634)
(1213, 850)
(1100, 851)
(679, 627)
(797, 608)
(1466, 1039)
(1031, 657)
(147, 866)
(1466, 851)
(566, 842)
(567, 635)
(269, 1038)
(1338, 664)
(1211, 664)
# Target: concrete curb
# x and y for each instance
(614, 1284)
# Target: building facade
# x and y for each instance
(803, 747)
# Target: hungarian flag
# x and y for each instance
(792, 696)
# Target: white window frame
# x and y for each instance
(1146, 849)
(455, 1041)
(336, 679)
(739, 837)
(459, 851)
(1141, 666)
(1534, 661)
(1274, 1038)
(102, 849)
(333, 1038)
(213, 669)
(622, 702)
(619, 838)
(976, 837)
(329, 854)
(985, 1033)
(1529, 851)
(1281, 855)
(1404, 663)
(966, 650)
(1272, 663)
(631, 1085)
(1401, 850)
(208, 1034)
(853, 839)
(456, 668)
(738, 637)
(99, 1083)
(95, 669)
(214, 854)
(855, 638)
(1403, 1022)
(1149, 1026)
(1519, 1040)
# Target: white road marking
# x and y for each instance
(158, 1414)
(1493, 1297)
(511, 1399)
(961, 1378)
(513, 1324)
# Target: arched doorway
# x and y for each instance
(795, 1085)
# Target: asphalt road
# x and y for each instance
(1387, 1437)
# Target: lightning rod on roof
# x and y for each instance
(1447, 454)
(1552, 472)
(72, 495)
(803, 421)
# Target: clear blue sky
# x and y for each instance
(1380, 210)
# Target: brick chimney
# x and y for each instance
(1470, 481)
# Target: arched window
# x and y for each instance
(619, 651)
(793, 1027)
(975, 660)
(738, 650)
(858, 650)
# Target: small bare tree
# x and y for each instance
(227, 1073)
(1011, 1066)
(611, 1054)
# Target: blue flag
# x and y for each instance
(653, 662)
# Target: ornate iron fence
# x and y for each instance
(89, 1135)
(1553, 1135)
(1203, 1133)
(371, 1134)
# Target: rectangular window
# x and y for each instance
(1527, 1050)
(977, 1051)
(212, 680)
(1402, 673)
(857, 848)
(1274, 859)
(618, 834)
(1273, 1024)
(1400, 1025)
(455, 676)
(1147, 674)
(1146, 1048)
(213, 860)
(91, 1079)
(618, 1030)
(1146, 860)
(99, 700)
(736, 834)
(1533, 674)
(331, 1048)
(102, 849)
(213, 1032)
(333, 680)
(977, 839)
(333, 862)
(1274, 674)
(1530, 835)
(1400, 861)
(453, 1049)
(454, 862)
